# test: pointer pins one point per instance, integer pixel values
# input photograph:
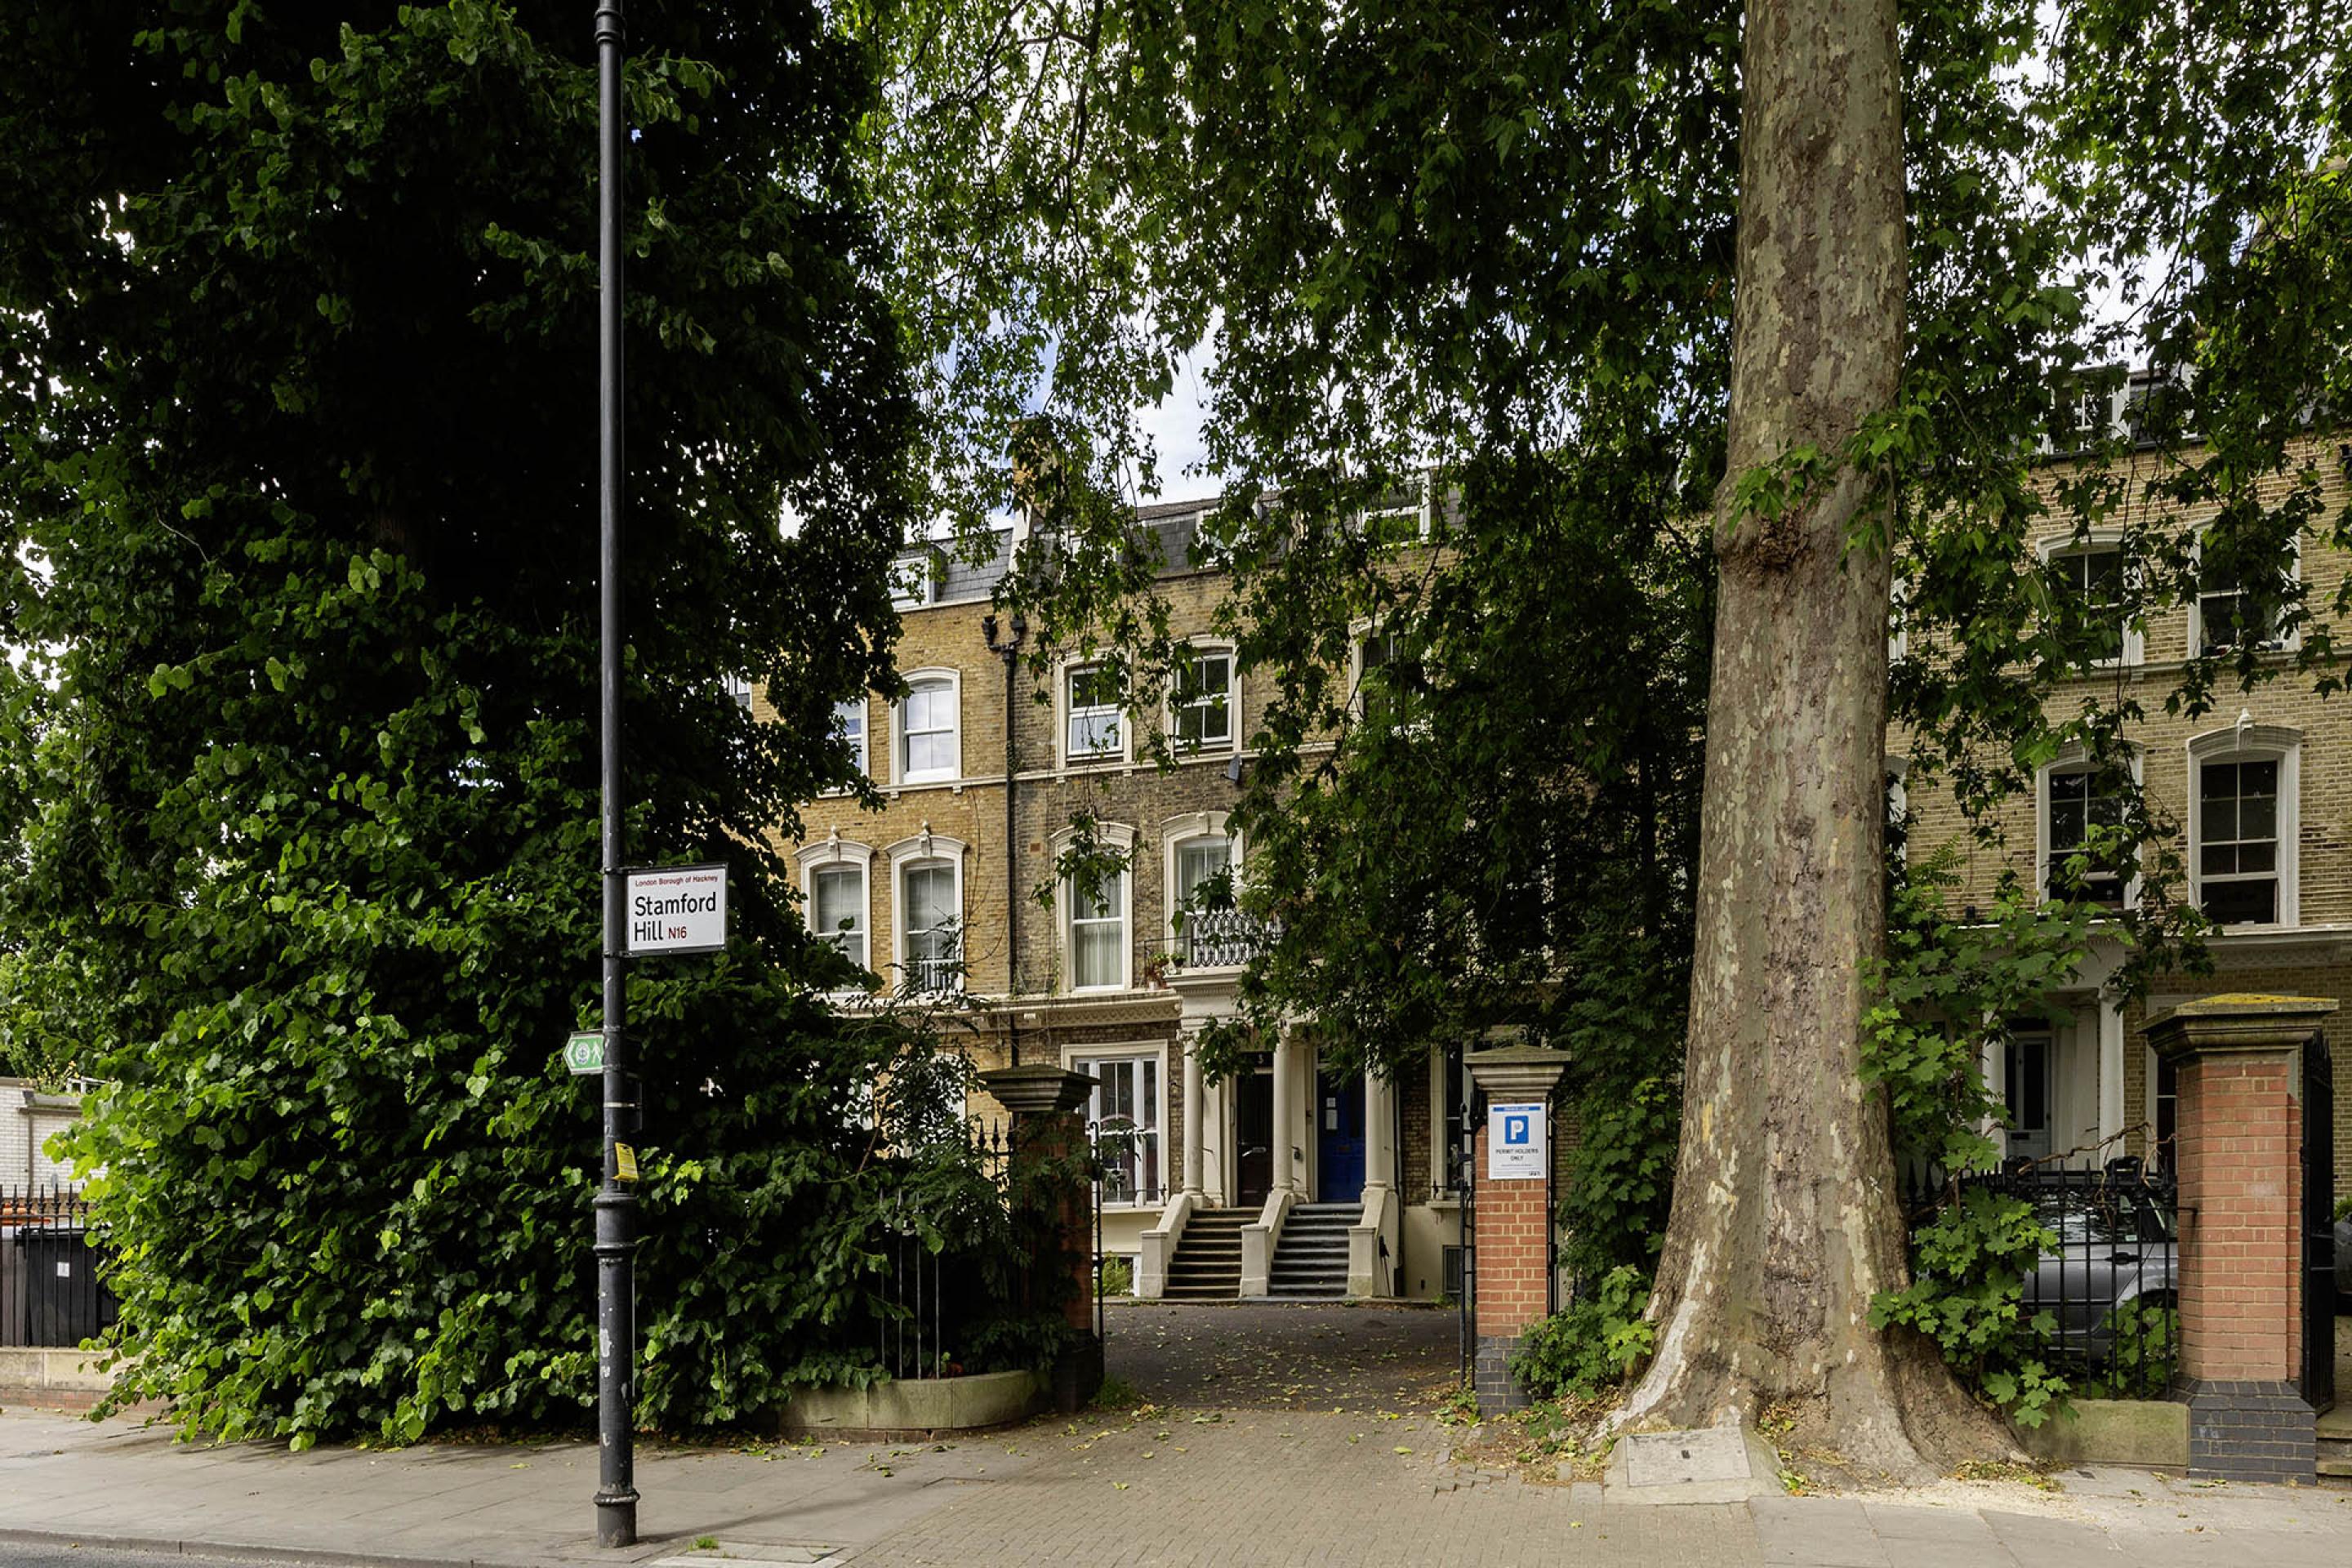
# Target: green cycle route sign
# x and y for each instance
(584, 1053)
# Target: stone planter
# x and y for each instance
(915, 1407)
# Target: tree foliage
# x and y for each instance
(1425, 237)
(296, 328)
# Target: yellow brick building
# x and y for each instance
(1355, 1197)
(1287, 1179)
(2261, 788)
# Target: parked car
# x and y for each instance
(2114, 1250)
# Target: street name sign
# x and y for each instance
(676, 908)
(1515, 1144)
(585, 1052)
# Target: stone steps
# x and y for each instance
(1310, 1262)
(2335, 1434)
(1208, 1262)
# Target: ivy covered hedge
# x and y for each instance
(297, 463)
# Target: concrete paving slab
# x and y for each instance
(1828, 1532)
(2038, 1540)
(2112, 1480)
(1894, 1522)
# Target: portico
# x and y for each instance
(1286, 1175)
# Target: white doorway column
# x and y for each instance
(1996, 1082)
(2111, 1079)
(1283, 1174)
(1379, 1116)
(1195, 1116)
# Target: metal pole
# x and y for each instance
(617, 1206)
(1012, 871)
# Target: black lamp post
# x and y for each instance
(616, 1205)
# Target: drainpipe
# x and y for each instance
(1009, 650)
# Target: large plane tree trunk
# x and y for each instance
(1785, 1219)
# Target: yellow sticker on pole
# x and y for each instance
(625, 1163)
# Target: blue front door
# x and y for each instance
(1339, 1138)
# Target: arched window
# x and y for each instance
(835, 882)
(2244, 784)
(1096, 945)
(927, 891)
(929, 740)
(2076, 799)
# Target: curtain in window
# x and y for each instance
(840, 909)
(931, 910)
(1198, 860)
(1098, 932)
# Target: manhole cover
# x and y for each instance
(1674, 1458)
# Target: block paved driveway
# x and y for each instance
(1280, 1355)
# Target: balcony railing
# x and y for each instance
(934, 975)
(1225, 939)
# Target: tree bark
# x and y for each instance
(1785, 1219)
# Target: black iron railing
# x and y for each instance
(920, 1302)
(51, 1260)
(934, 975)
(1225, 939)
(2103, 1294)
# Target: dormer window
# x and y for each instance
(918, 576)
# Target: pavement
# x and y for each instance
(1359, 1480)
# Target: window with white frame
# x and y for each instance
(2238, 835)
(2227, 618)
(2092, 577)
(1204, 867)
(1091, 708)
(849, 728)
(1098, 932)
(930, 747)
(1123, 1119)
(1450, 1092)
(1203, 701)
(1390, 680)
(2244, 822)
(837, 908)
(2076, 800)
(930, 918)
(1401, 518)
(834, 884)
(916, 577)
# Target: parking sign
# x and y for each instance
(1515, 1149)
